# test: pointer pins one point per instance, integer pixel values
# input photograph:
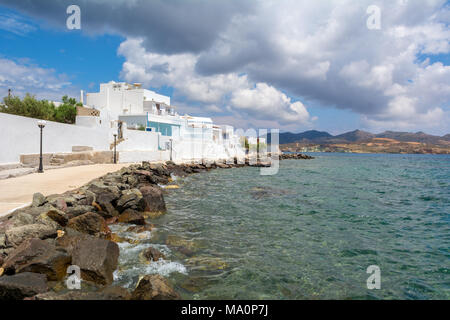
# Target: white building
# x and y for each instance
(132, 107)
(119, 98)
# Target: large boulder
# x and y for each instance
(21, 219)
(58, 216)
(2, 241)
(38, 200)
(15, 236)
(152, 254)
(90, 223)
(109, 293)
(104, 193)
(131, 199)
(154, 287)
(38, 256)
(153, 198)
(70, 238)
(22, 285)
(97, 259)
(78, 210)
(132, 216)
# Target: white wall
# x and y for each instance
(20, 135)
(139, 156)
(139, 140)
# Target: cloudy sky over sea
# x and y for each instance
(289, 64)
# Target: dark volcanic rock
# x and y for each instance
(132, 216)
(90, 223)
(131, 199)
(22, 285)
(154, 199)
(15, 236)
(38, 256)
(71, 238)
(78, 210)
(38, 200)
(105, 195)
(154, 287)
(97, 259)
(58, 216)
(109, 293)
(152, 254)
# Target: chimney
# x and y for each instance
(82, 97)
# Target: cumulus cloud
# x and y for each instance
(230, 54)
(234, 92)
(28, 78)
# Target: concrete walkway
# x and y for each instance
(17, 192)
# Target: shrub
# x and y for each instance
(41, 109)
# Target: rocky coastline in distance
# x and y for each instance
(39, 242)
(359, 141)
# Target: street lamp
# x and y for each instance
(41, 125)
(115, 158)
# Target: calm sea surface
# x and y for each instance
(309, 232)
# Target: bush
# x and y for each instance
(41, 109)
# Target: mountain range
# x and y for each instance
(322, 137)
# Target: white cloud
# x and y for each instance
(24, 78)
(234, 92)
(318, 52)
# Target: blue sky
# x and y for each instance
(233, 74)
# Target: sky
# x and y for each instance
(328, 65)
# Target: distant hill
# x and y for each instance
(311, 135)
(354, 136)
(410, 137)
(322, 137)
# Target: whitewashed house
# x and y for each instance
(129, 106)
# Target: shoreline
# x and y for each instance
(39, 242)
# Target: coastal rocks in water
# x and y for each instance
(264, 192)
(140, 229)
(38, 256)
(154, 199)
(206, 263)
(90, 223)
(38, 200)
(132, 216)
(109, 293)
(15, 236)
(154, 287)
(131, 199)
(97, 259)
(152, 254)
(176, 241)
(286, 156)
(22, 285)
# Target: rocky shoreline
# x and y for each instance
(39, 242)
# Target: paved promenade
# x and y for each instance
(17, 192)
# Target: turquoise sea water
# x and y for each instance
(309, 232)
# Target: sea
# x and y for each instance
(340, 226)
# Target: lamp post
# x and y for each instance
(115, 159)
(41, 125)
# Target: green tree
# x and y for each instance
(41, 109)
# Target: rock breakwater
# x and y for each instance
(38, 243)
